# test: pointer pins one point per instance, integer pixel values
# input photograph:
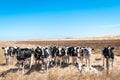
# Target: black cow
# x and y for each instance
(46, 58)
(38, 54)
(22, 54)
(60, 56)
(107, 53)
(54, 52)
(72, 52)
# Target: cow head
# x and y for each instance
(6, 54)
(6, 51)
(18, 51)
(43, 51)
(60, 51)
(66, 50)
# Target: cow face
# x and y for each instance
(6, 52)
(43, 51)
(77, 49)
(60, 51)
(108, 52)
(18, 51)
(66, 51)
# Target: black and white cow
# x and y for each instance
(60, 56)
(72, 52)
(22, 54)
(66, 56)
(85, 53)
(46, 58)
(9, 52)
(38, 54)
(54, 52)
(108, 53)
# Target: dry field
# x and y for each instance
(67, 73)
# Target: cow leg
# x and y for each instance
(61, 61)
(8, 60)
(81, 59)
(23, 68)
(68, 58)
(31, 61)
(36, 63)
(42, 64)
(47, 65)
(15, 60)
(112, 62)
(72, 60)
(51, 61)
(18, 66)
(88, 60)
(76, 59)
(56, 61)
(103, 60)
(64, 60)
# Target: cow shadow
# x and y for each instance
(38, 67)
(3, 64)
(34, 68)
(12, 70)
(28, 71)
(65, 65)
(98, 67)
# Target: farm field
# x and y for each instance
(67, 73)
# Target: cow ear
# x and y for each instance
(3, 48)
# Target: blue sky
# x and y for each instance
(35, 19)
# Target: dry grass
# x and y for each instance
(67, 73)
(60, 74)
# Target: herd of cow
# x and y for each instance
(52, 55)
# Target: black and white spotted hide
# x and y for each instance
(107, 52)
(38, 55)
(6, 54)
(85, 54)
(60, 56)
(24, 54)
(9, 53)
(46, 58)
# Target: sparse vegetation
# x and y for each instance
(67, 73)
